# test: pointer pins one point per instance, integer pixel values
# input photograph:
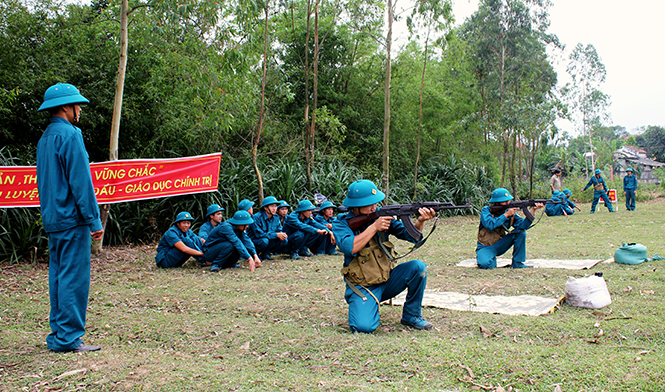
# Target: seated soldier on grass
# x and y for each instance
(265, 232)
(179, 243)
(246, 205)
(557, 209)
(282, 212)
(326, 217)
(214, 216)
(306, 233)
(567, 194)
(228, 243)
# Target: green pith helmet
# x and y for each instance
(598, 171)
(245, 205)
(183, 216)
(213, 209)
(630, 169)
(283, 203)
(241, 217)
(61, 94)
(363, 193)
(305, 205)
(327, 204)
(567, 192)
(499, 195)
(269, 200)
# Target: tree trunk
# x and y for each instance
(420, 120)
(305, 138)
(386, 106)
(255, 146)
(315, 91)
(117, 111)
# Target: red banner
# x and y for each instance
(119, 181)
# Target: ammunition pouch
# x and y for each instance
(599, 187)
(372, 265)
(488, 238)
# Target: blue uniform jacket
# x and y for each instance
(568, 202)
(491, 222)
(205, 229)
(555, 209)
(66, 194)
(344, 236)
(264, 227)
(629, 183)
(322, 220)
(174, 235)
(226, 232)
(595, 181)
(293, 223)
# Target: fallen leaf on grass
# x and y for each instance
(71, 373)
(486, 332)
(245, 346)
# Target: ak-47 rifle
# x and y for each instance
(524, 204)
(403, 213)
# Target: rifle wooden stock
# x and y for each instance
(403, 212)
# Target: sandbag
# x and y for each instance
(631, 254)
(590, 292)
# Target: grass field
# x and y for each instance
(284, 327)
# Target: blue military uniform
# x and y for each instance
(516, 238)
(567, 202)
(329, 246)
(303, 232)
(600, 191)
(226, 245)
(168, 256)
(263, 231)
(412, 275)
(69, 214)
(557, 209)
(629, 187)
(207, 227)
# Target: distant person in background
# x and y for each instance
(179, 243)
(567, 194)
(555, 181)
(70, 216)
(228, 243)
(214, 215)
(630, 189)
(599, 191)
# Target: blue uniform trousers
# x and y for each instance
(364, 315)
(222, 254)
(173, 257)
(274, 246)
(630, 200)
(69, 286)
(597, 195)
(486, 255)
(314, 241)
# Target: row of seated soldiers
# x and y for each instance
(566, 207)
(249, 236)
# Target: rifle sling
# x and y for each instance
(381, 238)
(359, 293)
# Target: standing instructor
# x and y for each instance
(70, 215)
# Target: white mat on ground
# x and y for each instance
(539, 263)
(520, 305)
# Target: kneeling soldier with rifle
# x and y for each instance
(370, 270)
(494, 239)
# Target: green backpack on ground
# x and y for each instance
(633, 254)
